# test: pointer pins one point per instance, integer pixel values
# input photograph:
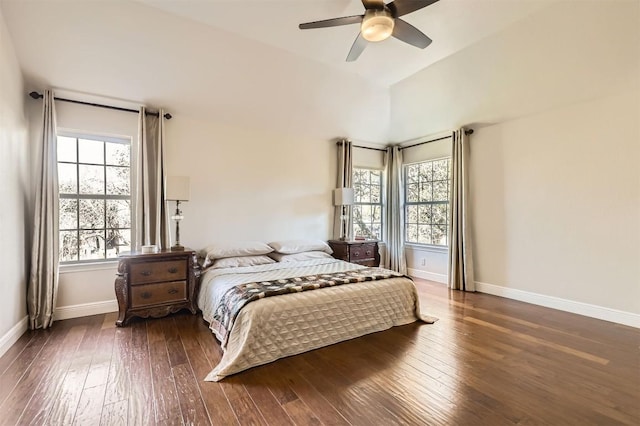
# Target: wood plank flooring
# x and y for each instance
(487, 361)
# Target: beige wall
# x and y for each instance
(130, 50)
(565, 53)
(13, 189)
(265, 169)
(245, 184)
(248, 184)
(556, 202)
(554, 168)
(368, 158)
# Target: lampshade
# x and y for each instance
(343, 196)
(178, 188)
(377, 25)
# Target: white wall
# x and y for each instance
(13, 193)
(555, 104)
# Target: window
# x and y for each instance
(95, 197)
(367, 208)
(427, 202)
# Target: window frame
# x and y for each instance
(381, 203)
(107, 262)
(430, 247)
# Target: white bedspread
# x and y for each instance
(289, 324)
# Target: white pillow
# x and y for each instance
(307, 255)
(236, 262)
(235, 249)
(299, 246)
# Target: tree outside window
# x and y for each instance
(94, 182)
(427, 202)
(367, 208)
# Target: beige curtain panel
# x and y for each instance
(152, 218)
(460, 255)
(42, 290)
(393, 232)
(344, 180)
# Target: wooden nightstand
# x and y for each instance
(156, 284)
(361, 252)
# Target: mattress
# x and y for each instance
(275, 327)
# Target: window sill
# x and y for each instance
(88, 267)
(427, 248)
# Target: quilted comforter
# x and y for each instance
(275, 327)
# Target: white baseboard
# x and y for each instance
(12, 336)
(580, 308)
(426, 275)
(85, 309)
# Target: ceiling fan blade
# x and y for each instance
(373, 4)
(335, 22)
(406, 32)
(358, 46)
(403, 7)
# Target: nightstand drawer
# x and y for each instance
(151, 272)
(367, 262)
(153, 294)
(156, 284)
(356, 251)
(362, 252)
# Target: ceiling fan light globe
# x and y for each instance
(377, 25)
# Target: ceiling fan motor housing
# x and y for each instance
(377, 24)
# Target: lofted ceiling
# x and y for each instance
(451, 24)
(242, 62)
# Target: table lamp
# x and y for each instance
(178, 190)
(343, 197)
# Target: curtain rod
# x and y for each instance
(363, 147)
(36, 95)
(466, 132)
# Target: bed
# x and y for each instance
(270, 328)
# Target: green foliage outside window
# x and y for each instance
(427, 202)
(94, 186)
(367, 208)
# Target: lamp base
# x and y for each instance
(177, 247)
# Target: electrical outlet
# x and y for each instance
(423, 262)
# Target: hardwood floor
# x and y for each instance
(487, 361)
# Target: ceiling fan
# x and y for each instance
(379, 22)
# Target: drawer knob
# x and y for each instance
(146, 295)
(173, 291)
(368, 252)
(173, 270)
(145, 273)
(356, 253)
